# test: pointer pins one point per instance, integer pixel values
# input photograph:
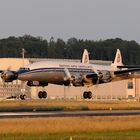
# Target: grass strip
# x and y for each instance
(54, 105)
(113, 135)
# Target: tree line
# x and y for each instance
(37, 47)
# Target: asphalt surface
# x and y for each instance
(68, 114)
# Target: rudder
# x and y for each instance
(85, 57)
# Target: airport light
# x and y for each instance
(23, 55)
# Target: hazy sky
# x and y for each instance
(83, 19)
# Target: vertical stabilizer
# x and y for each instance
(118, 59)
(85, 57)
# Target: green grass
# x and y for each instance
(56, 105)
(81, 128)
(70, 128)
(125, 135)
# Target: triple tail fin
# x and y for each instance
(85, 57)
(118, 59)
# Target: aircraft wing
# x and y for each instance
(126, 71)
(128, 66)
(104, 76)
(125, 74)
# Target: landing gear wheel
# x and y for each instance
(22, 97)
(87, 95)
(42, 94)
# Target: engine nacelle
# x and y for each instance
(77, 81)
(37, 83)
(98, 77)
(9, 76)
(104, 76)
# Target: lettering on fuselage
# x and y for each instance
(74, 66)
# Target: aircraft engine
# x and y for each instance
(91, 79)
(77, 81)
(37, 83)
(9, 76)
(104, 76)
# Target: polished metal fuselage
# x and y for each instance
(54, 72)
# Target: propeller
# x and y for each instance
(99, 76)
(9, 75)
(68, 82)
(68, 79)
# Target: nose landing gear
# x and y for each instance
(22, 97)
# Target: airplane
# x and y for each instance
(85, 57)
(115, 65)
(76, 74)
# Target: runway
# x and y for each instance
(68, 114)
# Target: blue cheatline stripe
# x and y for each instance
(56, 69)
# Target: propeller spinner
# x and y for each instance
(9, 76)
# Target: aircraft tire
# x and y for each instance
(89, 94)
(22, 97)
(85, 95)
(44, 94)
(40, 94)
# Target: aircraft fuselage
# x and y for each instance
(54, 72)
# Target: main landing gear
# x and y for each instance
(22, 97)
(87, 95)
(42, 94)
